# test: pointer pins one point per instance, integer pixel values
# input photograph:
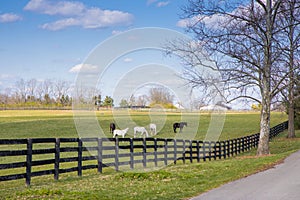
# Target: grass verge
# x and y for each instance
(179, 181)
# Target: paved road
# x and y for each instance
(279, 183)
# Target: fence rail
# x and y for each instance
(44, 156)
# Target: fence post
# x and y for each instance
(131, 154)
(234, 146)
(57, 157)
(228, 148)
(28, 161)
(219, 150)
(100, 153)
(209, 150)
(166, 152)
(248, 143)
(191, 151)
(204, 151)
(117, 154)
(155, 152)
(239, 145)
(243, 144)
(198, 151)
(224, 149)
(183, 153)
(79, 172)
(175, 151)
(144, 153)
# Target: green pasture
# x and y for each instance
(47, 123)
(179, 181)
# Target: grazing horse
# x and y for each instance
(153, 129)
(141, 130)
(112, 127)
(118, 132)
(179, 125)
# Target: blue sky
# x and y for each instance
(47, 39)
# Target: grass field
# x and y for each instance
(37, 123)
(179, 181)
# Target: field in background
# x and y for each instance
(60, 123)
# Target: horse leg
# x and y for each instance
(147, 134)
(180, 130)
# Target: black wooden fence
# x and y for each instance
(42, 156)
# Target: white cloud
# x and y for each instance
(213, 21)
(77, 14)
(127, 60)
(116, 32)
(183, 23)
(162, 3)
(65, 8)
(60, 24)
(9, 17)
(84, 68)
(158, 4)
(97, 18)
(217, 21)
(149, 2)
(5, 76)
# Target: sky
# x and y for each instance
(55, 39)
(49, 39)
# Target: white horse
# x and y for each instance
(120, 132)
(153, 129)
(141, 130)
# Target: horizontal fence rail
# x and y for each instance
(44, 156)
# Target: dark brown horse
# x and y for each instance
(112, 127)
(179, 125)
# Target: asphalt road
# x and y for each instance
(279, 183)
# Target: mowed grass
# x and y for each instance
(35, 124)
(179, 181)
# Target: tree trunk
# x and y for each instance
(291, 110)
(291, 96)
(263, 145)
(291, 128)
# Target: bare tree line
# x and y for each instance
(36, 93)
(157, 96)
(58, 93)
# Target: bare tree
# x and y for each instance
(31, 88)
(160, 95)
(21, 91)
(132, 101)
(5, 97)
(142, 100)
(61, 88)
(289, 37)
(47, 88)
(240, 38)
